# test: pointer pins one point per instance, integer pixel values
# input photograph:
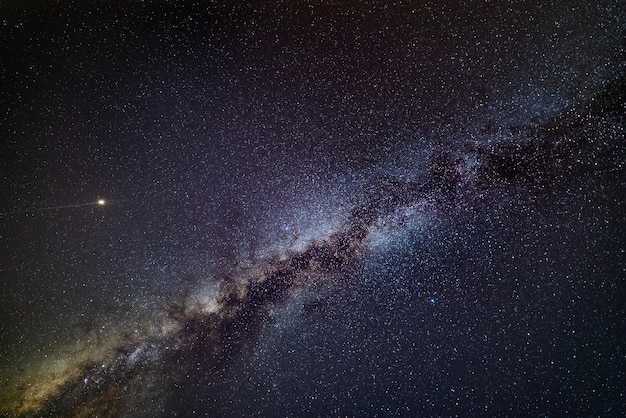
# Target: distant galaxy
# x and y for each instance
(307, 208)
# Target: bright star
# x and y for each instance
(99, 202)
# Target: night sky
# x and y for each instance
(312, 208)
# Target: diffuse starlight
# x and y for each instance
(215, 330)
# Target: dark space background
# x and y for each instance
(451, 173)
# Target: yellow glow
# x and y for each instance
(101, 202)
